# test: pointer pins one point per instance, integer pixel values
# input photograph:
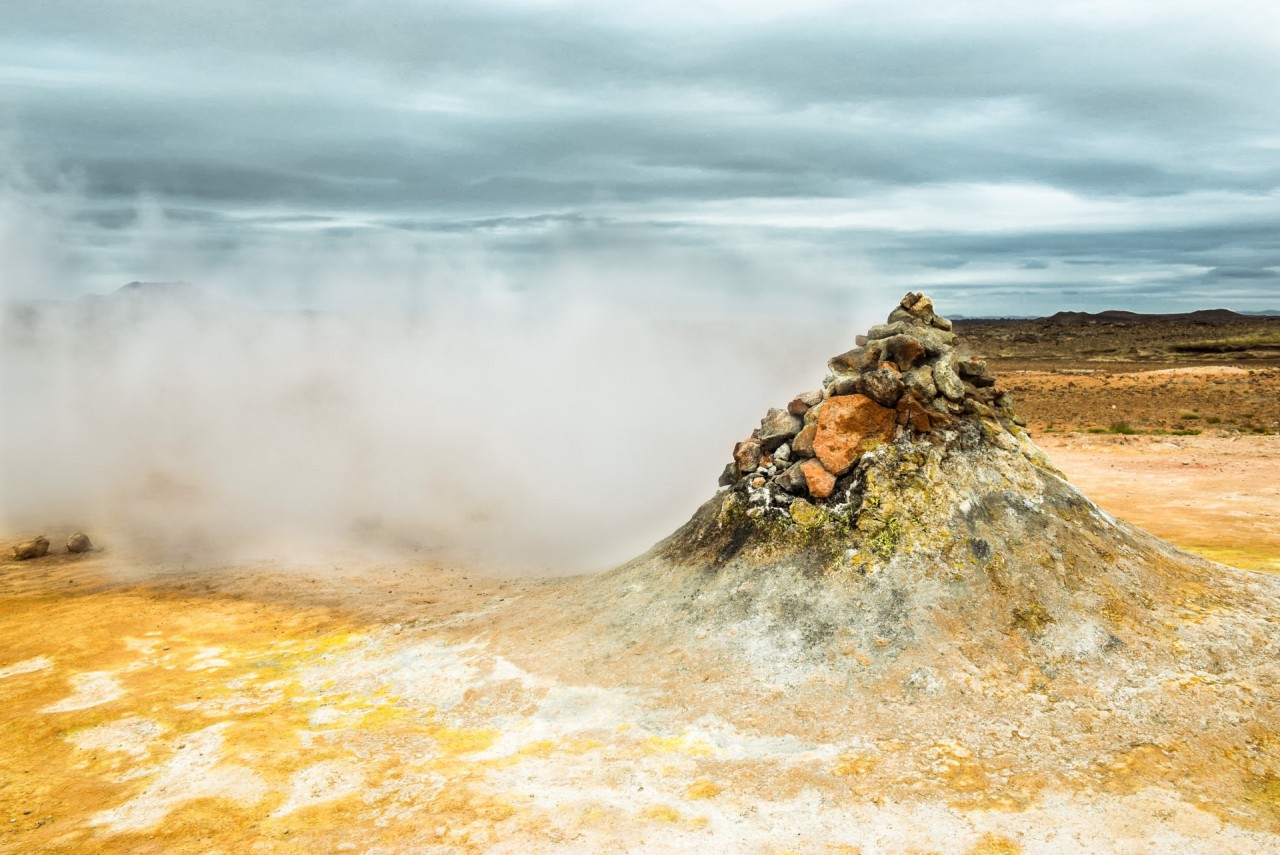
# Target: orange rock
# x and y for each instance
(848, 426)
(821, 482)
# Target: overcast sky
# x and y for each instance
(1009, 158)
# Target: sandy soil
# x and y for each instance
(401, 708)
(1218, 496)
(1195, 400)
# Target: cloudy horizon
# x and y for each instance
(1007, 159)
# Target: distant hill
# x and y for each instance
(1113, 315)
(165, 290)
(148, 293)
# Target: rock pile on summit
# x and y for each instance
(903, 376)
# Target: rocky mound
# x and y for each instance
(903, 378)
(899, 524)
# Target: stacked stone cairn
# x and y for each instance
(904, 378)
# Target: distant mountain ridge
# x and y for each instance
(1211, 315)
(1116, 315)
(170, 290)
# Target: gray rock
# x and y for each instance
(883, 385)
(845, 384)
(847, 361)
(975, 371)
(811, 417)
(941, 323)
(977, 408)
(901, 315)
(777, 427)
(882, 331)
(79, 542)
(936, 342)
(793, 480)
(783, 453)
(727, 478)
(858, 359)
(942, 405)
(920, 382)
(947, 381)
(37, 547)
(811, 399)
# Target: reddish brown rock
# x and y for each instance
(848, 426)
(914, 415)
(802, 445)
(821, 482)
(747, 455)
(801, 403)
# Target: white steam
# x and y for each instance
(560, 419)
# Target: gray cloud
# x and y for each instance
(1141, 139)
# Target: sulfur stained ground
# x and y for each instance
(391, 708)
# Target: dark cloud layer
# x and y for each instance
(1079, 155)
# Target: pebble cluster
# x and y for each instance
(904, 376)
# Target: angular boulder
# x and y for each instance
(882, 385)
(777, 427)
(849, 426)
(79, 542)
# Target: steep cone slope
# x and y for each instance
(899, 525)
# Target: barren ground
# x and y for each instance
(390, 707)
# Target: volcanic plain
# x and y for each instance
(384, 706)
